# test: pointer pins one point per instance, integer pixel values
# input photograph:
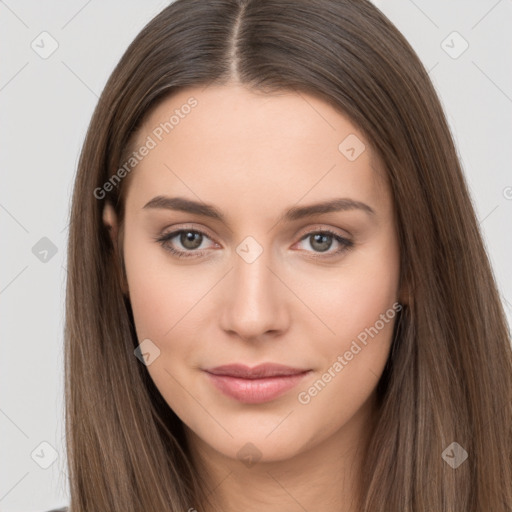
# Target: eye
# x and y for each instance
(191, 241)
(321, 242)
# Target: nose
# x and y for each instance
(256, 300)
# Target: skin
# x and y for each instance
(253, 156)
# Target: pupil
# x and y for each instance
(324, 246)
(189, 239)
(192, 240)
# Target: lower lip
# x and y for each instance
(255, 391)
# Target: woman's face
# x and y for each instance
(260, 281)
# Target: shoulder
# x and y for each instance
(63, 509)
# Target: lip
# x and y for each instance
(259, 384)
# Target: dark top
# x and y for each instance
(63, 509)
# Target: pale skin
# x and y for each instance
(253, 157)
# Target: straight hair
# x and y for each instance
(448, 377)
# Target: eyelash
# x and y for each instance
(346, 244)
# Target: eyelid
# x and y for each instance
(301, 233)
(322, 227)
(345, 242)
(165, 236)
(175, 229)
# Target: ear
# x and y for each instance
(405, 294)
(110, 220)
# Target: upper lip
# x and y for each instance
(259, 371)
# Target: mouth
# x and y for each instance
(260, 384)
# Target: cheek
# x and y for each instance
(163, 299)
(360, 308)
(152, 299)
(364, 297)
(161, 294)
(352, 299)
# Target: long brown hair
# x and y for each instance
(448, 378)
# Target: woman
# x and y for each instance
(278, 297)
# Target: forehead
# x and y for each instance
(218, 142)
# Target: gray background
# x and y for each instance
(46, 104)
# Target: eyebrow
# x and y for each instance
(295, 213)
